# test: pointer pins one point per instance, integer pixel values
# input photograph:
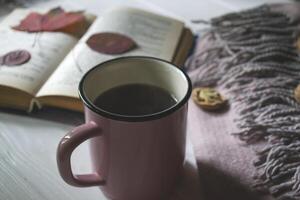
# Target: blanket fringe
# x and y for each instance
(252, 56)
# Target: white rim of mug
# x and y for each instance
(134, 118)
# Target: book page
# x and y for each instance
(155, 36)
(47, 51)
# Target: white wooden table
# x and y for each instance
(28, 142)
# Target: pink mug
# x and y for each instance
(133, 157)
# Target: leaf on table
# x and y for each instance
(14, 58)
(111, 43)
(55, 20)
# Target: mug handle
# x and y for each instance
(65, 148)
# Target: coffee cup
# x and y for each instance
(135, 155)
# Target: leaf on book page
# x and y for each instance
(59, 20)
(55, 20)
(55, 11)
(111, 43)
(14, 58)
(32, 23)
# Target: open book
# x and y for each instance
(58, 60)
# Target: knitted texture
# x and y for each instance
(252, 57)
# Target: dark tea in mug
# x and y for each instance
(135, 100)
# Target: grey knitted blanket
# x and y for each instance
(252, 57)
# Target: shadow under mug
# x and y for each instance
(133, 157)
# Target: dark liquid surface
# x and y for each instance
(135, 100)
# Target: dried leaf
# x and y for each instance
(56, 20)
(32, 23)
(298, 44)
(297, 93)
(208, 98)
(55, 11)
(13, 58)
(62, 21)
(110, 43)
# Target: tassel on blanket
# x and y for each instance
(252, 55)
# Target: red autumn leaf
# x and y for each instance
(13, 58)
(56, 20)
(32, 23)
(55, 11)
(61, 22)
(110, 43)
